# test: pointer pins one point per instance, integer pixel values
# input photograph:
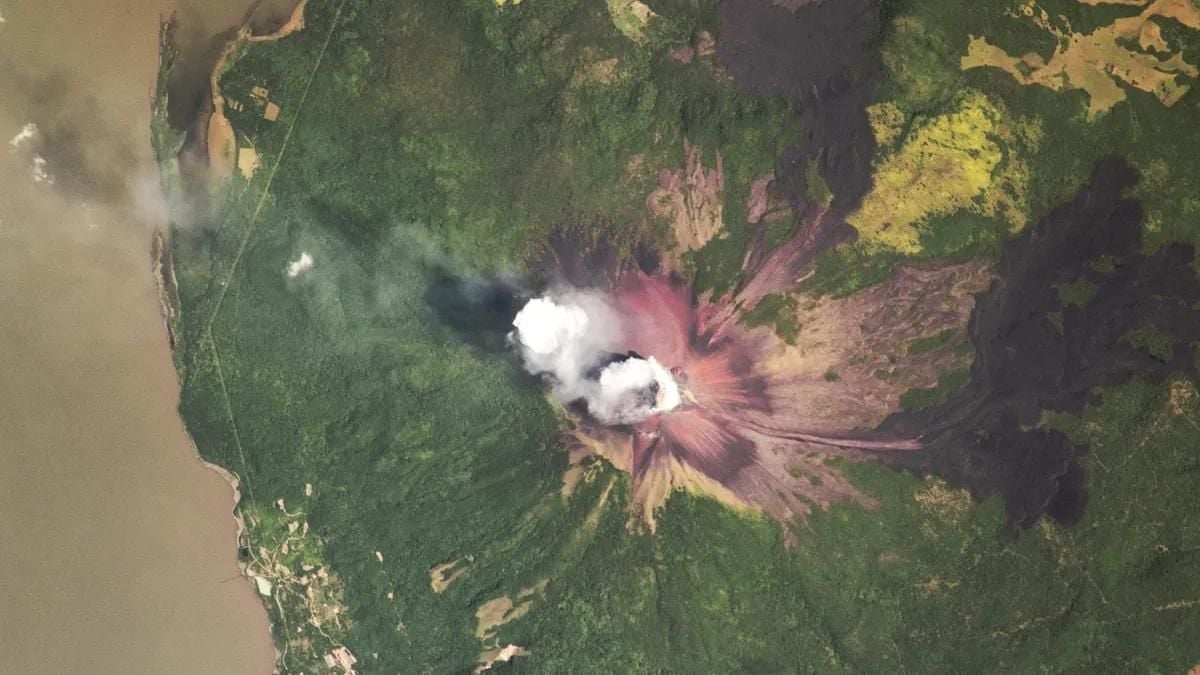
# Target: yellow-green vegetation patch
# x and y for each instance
(1100, 61)
(969, 158)
(1151, 340)
(1078, 292)
(1171, 212)
(815, 188)
(630, 17)
(779, 311)
(887, 121)
(1056, 320)
(929, 343)
(948, 383)
(1105, 264)
(922, 70)
(598, 72)
(945, 503)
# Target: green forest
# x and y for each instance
(374, 444)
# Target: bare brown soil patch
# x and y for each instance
(571, 479)
(654, 487)
(1151, 38)
(539, 587)
(691, 199)
(491, 657)
(683, 54)
(441, 576)
(863, 339)
(658, 484)
(602, 71)
(341, 661)
(762, 204)
(247, 162)
(220, 138)
(294, 24)
(1183, 392)
(495, 613)
(1098, 62)
(222, 146)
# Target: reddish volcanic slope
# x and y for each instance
(760, 418)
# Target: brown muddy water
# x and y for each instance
(117, 546)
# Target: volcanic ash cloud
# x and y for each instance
(571, 338)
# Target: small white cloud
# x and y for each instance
(27, 132)
(40, 173)
(300, 265)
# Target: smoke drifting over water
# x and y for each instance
(94, 420)
(570, 337)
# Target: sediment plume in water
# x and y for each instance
(132, 564)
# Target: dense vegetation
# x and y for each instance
(433, 133)
(1029, 147)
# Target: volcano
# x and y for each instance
(755, 421)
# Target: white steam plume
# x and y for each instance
(632, 390)
(567, 334)
(26, 133)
